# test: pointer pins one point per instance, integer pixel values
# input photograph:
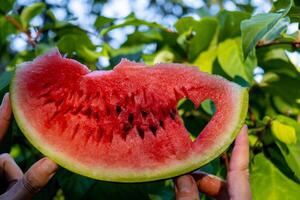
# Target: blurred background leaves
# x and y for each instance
(254, 43)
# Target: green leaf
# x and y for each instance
(291, 152)
(268, 183)
(196, 36)
(30, 12)
(132, 22)
(73, 39)
(5, 78)
(209, 107)
(294, 14)
(132, 53)
(73, 185)
(67, 45)
(184, 24)
(283, 132)
(102, 21)
(282, 5)
(142, 191)
(145, 37)
(268, 25)
(6, 5)
(282, 85)
(49, 191)
(206, 59)
(230, 23)
(6, 29)
(230, 57)
(245, 7)
(284, 107)
(69, 29)
(277, 158)
(164, 56)
(275, 32)
(272, 59)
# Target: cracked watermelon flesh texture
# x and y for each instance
(122, 125)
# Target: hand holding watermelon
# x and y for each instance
(25, 186)
(237, 186)
(19, 185)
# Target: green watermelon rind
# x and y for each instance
(190, 164)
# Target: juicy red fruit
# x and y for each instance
(124, 119)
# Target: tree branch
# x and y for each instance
(295, 44)
(226, 160)
(15, 23)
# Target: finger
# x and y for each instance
(186, 188)
(5, 115)
(238, 175)
(240, 153)
(9, 170)
(212, 186)
(33, 180)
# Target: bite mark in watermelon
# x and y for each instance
(122, 125)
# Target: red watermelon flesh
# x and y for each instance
(122, 125)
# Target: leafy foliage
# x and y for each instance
(250, 49)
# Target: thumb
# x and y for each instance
(186, 188)
(33, 181)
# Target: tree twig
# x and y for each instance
(15, 23)
(295, 44)
(226, 160)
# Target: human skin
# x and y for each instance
(21, 186)
(237, 186)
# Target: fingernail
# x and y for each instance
(184, 183)
(49, 166)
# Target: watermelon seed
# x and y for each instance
(80, 93)
(96, 116)
(88, 136)
(75, 131)
(77, 110)
(141, 132)
(55, 114)
(107, 111)
(161, 123)
(87, 112)
(144, 113)
(45, 94)
(59, 102)
(173, 113)
(127, 127)
(48, 101)
(153, 129)
(97, 95)
(99, 134)
(130, 118)
(46, 85)
(88, 96)
(67, 110)
(118, 109)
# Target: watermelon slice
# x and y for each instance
(122, 125)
